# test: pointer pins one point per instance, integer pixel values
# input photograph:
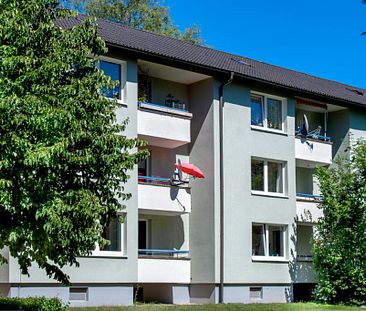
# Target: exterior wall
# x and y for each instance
(338, 130)
(270, 294)
(163, 160)
(243, 208)
(357, 125)
(168, 232)
(306, 182)
(97, 295)
(204, 153)
(161, 88)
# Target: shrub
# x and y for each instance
(32, 304)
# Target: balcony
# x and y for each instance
(307, 207)
(164, 270)
(164, 126)
(313, 152)
(157, 196)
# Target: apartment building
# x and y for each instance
(240, 235)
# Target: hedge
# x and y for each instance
(32, 304)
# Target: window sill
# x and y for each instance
(269, 194)
(273, 259)
(268, 130)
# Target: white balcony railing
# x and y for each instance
(163, 126)
(155, 195)
(164, 270)
(316, 151)
(307, 209)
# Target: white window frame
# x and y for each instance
(265, 177)
(123, 240)
(123, 73)
(265, 119)
(266, 256)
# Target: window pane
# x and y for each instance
(275, 182)
(258, 240)
(114, 72)
(275, 235)
(274, 113)
(256, 110)
(258, 175)
(113, 234)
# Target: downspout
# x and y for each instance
(222, 201)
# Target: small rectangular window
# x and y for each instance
(267, 111)
(256, 293)
(274, 114)
(113, 234)
(112, 70)
(78, 294)
(275, 177)
(257, 175)
(258, 240)
(257, 110)
(267, 176)
(269, 241)
(275, 236)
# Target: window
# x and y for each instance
(304, 239)
(267, 112)
(267, 176)
(269, 241)
(256, 293)
(115, 71)
(78, 294)
(115, 233)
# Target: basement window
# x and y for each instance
(256, 293)
(78, 294)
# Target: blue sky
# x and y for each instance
(319, 37)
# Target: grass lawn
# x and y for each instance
(225, 307)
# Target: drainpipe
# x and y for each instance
(222, 201)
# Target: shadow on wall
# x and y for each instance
(174, 191)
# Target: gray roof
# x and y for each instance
(162, 46)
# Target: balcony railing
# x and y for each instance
(154, 180)
(166, 253)
(172, 106)
(313, 136)
(309, 196)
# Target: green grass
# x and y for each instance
(225, 307)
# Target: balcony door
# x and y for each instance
(143, 234)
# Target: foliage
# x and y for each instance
(340, 241)
(62, 164)
(147, 15)
(31, 304)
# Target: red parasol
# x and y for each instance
(190, 169)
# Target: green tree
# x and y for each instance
(147, 15)
(340, 242)
(62, 163)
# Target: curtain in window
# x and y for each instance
(274, 113)
(257, 110)
(258, 242)
(258, 175)
(275, 183)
